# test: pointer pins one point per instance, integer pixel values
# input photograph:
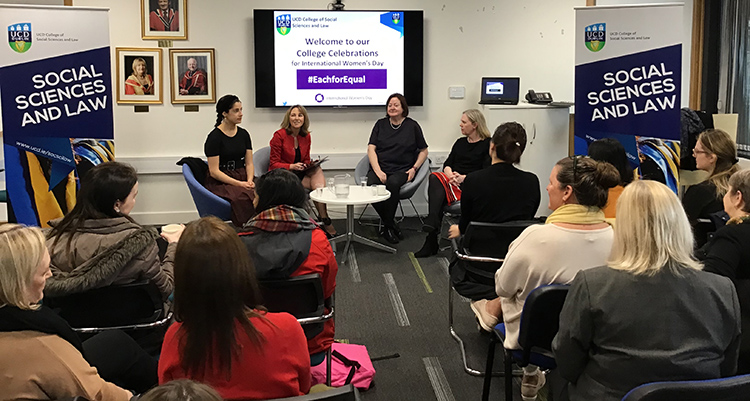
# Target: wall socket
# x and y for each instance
(456, 92)
(439, 160)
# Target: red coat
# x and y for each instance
(281, 369)
(282, 149)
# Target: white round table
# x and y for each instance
(358, 195)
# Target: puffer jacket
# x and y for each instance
(108, 252)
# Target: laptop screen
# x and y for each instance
(500, 90)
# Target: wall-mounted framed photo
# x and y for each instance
(192, 77)
(139, 77)
(164, 19)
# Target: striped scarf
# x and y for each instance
(282, 218)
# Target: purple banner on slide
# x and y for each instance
(341, 79)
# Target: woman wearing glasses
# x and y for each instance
(575, 237)
(715, 153)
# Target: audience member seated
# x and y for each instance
(575, 237)
(223, 336)
(728, 254)
(98, 244)
(650, 314)
(610, 150)
(496, 194)
(230, 160)
(283, 241)
(181, 390)
(716, 153)
(41, 358)
(469, 153)
(290, 150)
(396, 151)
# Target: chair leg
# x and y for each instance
(415, 212)
(508, 375)
(328, 365)
(488, 369)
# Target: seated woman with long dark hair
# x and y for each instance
(283, 241)
(223, 336)
(98, 244)
(727, 253)
(41, 357)
(650, 314)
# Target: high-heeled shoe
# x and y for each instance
(430, 246)
(389, 235)
(328, 226)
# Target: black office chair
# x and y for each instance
(736, 388)
(540, 320)
(303, 298)
(134, 306)
(480, 253)
(346, 393)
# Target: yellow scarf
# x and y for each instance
(576, 214)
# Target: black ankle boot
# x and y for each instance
(430, 246)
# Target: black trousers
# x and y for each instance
(120, 360)
(436, 201)
(387, 208)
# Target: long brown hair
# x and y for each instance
(215, 288)
(720, 143)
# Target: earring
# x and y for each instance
(117, 209)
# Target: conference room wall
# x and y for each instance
(464, 40)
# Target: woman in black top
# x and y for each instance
(716, 153)
(230, 160)
(396, 151)
(727, 254)
(469, 153)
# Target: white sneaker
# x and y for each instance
(486, 320)
(530, 385)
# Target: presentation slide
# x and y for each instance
(351, 58)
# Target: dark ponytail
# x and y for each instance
(223, 106)
(590, 179)
(510, 142)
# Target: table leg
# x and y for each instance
(350, 236)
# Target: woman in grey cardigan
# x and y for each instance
(651, 314)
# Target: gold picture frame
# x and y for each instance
(158, 22)
(135, 86)
(192, 76)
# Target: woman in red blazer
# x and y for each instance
(290, 150)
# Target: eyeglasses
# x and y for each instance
(695, 152)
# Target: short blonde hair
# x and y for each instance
(652, 231)
(21, 250)
(287, 124)
(181, 390)
(476, 117)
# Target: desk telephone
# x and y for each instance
(538, 97)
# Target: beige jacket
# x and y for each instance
(106, 252)
(38, 366)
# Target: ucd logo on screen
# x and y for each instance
(596, 36)
(19, 37)
(284, 23)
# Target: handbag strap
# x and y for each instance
(353, 365)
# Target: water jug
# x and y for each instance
(341, 185)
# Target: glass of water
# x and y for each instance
(363, 181)
(330, 183)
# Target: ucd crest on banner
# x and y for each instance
(284, 23)
(19, 37)
(596, 36)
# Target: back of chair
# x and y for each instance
(735, 388)
(540, 318)
(262, 160)
(300, 296)
(207, 203)
(346, 393)
(407, 190)
(361, 169)
(112, 306)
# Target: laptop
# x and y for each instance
(500, 90)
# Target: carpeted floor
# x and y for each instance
(394, 303)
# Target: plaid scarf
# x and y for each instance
(282, 218)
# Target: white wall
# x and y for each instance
(464, 40)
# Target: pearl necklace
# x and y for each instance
(395, 127)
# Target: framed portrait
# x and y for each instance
(138, 75)
(164, 19)
(192, 76)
